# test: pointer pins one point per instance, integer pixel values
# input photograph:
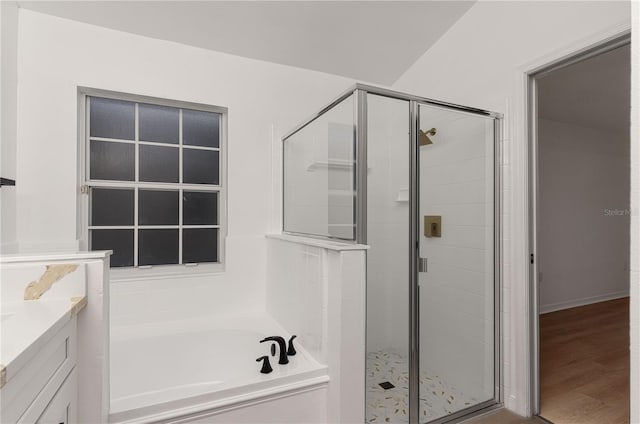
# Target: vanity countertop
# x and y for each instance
(37, 301)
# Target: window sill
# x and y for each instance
(161, 272)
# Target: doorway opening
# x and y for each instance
(580, 193)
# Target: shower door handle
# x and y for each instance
(422, 264)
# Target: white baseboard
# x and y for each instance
(582, 301)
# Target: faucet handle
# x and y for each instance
(291, 350)
(266, 366)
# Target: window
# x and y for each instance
(154, 176)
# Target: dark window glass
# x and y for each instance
(199, 245)
(112, 161)
(157, 247)
(200, 128)
(120, 241)
(111, 206)
(112, 118)
(132, 162)
(159, 164)
(157, 207)
(200, 166)
(158, 123)
(199, 208)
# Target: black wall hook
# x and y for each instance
(7, 182)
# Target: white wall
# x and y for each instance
(474, 62)
(8, 122)
(584, 215)
(635, 217)
(480, 62)
(264, 100)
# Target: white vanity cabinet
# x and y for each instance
(54, 338)
(43, 383)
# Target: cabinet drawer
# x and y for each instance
(23, 397)
(62, 408)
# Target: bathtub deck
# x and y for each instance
(167, 372)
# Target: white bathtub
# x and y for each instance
(180, 369)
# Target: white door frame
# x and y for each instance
(534, 269)
(521, 346)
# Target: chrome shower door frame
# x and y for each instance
(359, 143)
(414, 340)
(360, 92)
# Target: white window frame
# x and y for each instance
(136, 272)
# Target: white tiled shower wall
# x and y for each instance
(456, 343)
(318, 187)
(318, 294)
(387, 224)
(495, 43)
(297, 291)
(457, 292)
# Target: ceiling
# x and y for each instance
(594, 93)
(370, 41)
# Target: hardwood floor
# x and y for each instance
(584, 364)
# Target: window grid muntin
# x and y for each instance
(155, 143)
(180, 195)
(136, 185)
(151, 227)
(136, 198)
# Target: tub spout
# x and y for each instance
(266, 366)
(282, 345)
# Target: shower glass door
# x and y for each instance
(456, 278)
(388, 147)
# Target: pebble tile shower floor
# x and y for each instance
(437, 398)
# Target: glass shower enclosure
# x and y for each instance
(416, 179)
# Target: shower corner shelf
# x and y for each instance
(331, 164)
(403, 195)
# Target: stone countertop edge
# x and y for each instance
(39, 299)
(25, 258)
